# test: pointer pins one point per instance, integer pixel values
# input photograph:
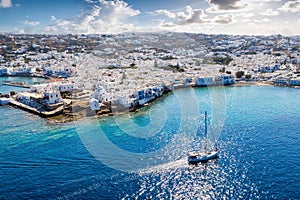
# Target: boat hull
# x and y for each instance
(202, 158)
(4, 101)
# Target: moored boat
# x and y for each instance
(4, 101)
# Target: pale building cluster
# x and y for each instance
(134, 68)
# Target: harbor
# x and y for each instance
(67, 100)
(63, 101)
(121, 78)
(57, 159)
(123, 99)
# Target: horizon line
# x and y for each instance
(154, 32)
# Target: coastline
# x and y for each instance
(79, 108)
(265, 83)
(248, 83)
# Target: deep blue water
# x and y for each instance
(143, 155)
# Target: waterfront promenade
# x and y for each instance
(55, 112)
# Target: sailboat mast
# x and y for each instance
(205, 132)
(205, 125)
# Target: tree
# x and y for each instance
(248, 76)
(38, 69)
(222, 70)
(277, 54)
(239, 74)
(222, 60)
(181, 70)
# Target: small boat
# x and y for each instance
(4, 101)
(206, 155)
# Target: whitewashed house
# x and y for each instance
(281, 81)
(94, 104)
(295, 82)
(204, 81)
(227, 80)
(64, 87)
(52, 96)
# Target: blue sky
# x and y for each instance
(251, 17)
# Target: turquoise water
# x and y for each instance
(143, 155)
(6, 89)
(29, 80)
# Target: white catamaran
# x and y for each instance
(207, 154)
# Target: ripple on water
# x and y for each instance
(178, 180)
(259, 156)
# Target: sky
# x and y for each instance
(237, 17)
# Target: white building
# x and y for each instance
(64, 87)
(59, 86)
(227, 80)
(52, 97)
(281, 81)
(204, 81)
(295, 82)
(94, 104)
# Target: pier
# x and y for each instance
(51, 113)
(16, 84)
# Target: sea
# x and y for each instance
(143, 155)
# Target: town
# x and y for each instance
(129, 70)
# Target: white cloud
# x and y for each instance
(224, 19)
(270, 12)
(5, 4)
(31, 23)
(102, 17)
(291, 6)
(248, 15)
(225, 5)
(266, 20)
(247, 20)
(190, 17)
(53, 18)
(186, 17)
(166, 13)
(117, 10)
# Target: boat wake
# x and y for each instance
(164, 167)
(216, 179)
